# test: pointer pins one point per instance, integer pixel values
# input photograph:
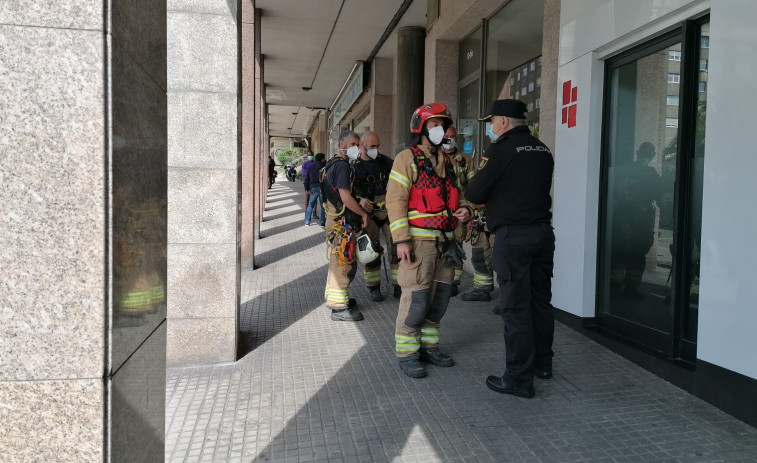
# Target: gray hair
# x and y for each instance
(348, 134)
(517, 122)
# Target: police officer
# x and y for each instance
(515, 183)
(423, 205)
(344, 218)
(371, 176)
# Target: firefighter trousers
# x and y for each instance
(340, 274)
(426, 289)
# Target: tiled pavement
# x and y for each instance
(311, 389)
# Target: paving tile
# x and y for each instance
(311, 390)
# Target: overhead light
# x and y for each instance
(294, 114)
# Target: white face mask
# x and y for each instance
(372, 153)
(449, 146)
(436, 135)
(353, 152)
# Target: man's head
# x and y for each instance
(645, 153)
(349, 139)
(320, 157)
(451, 140)
(369, 144)
(430, 121)
(505, 115)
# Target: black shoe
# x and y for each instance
(434, 356)
(352, 302)
(497, 384)
(412, 367)
(376, 295)
(496, 310)
(346, 315)
(543, 373)
(454, 289)
(397, 291)
(477, 295)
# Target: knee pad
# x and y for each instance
(441, 301)
(479, 261)
(416, 314)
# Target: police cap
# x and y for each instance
(508, 108)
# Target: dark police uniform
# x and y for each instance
(515, 183)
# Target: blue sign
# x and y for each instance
(468, 147)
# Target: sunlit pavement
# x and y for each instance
(311, 389)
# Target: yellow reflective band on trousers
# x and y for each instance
(458, 274)
(394, 275)
(373, 276)
(479, 279)
(407, 344)
(336, 296)
(429, 335)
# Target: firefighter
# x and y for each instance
(423, 205)
(371, 176)
(464, 170)
(344, 219)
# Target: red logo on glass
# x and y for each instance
(569, 103)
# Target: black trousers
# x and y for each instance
(523, 260)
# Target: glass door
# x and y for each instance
(651, 198)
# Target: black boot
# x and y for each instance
(352, 302)
(412, 367)
(454, 289)
(477, 295)
(376, 295)
(346, 315)
(397, 291)
(434, 356)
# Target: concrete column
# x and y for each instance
(203, 181)
(409, 94)
(82, 279)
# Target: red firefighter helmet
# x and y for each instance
(426, 112)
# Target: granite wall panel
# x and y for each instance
(193, 341)
(59, 420)
(202, 130)
(52, 268)
(203, 205)
(201, 280)
(71, 14)
(202, 52)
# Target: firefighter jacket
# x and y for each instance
(422, 196)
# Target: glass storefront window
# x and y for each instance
(468, 118)
(470, 55)
(653, 166)
(513, 56)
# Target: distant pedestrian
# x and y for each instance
(313, 185)
(514, 182)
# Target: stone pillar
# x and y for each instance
(409, 95)
(382, 110)
(203, 181)
(550, 50)
(82, 285)
(247, 128)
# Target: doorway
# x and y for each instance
(650, 218)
